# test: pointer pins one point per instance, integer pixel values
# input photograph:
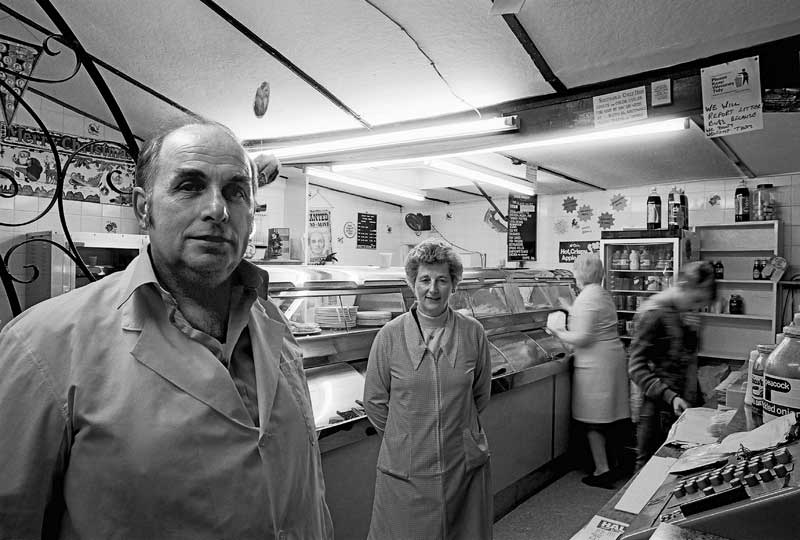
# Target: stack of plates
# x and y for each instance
(304, 329)
(373, 318)
(336, 316)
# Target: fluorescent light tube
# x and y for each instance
(663, 126)
(504, 182)
(355, 182)
(445, 131)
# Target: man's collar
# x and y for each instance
(141, 272)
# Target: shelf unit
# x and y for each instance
(732, 337)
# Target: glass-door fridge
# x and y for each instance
(640, 263)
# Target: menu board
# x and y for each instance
(367, 231)
(521, 238)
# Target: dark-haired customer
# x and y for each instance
(428, 378)
(663, 355)
(599, 376)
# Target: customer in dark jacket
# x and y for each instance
(663, 355)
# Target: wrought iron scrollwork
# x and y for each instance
(49, 52)
(70, 249)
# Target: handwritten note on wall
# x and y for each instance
(732, 97)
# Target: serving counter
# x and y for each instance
(335, 313)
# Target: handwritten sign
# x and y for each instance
(620, 107)
(367, 231)
(569, 251)
(521, 236)
(732, 97)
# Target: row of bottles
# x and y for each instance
(677, 210)
(773, 385)
(635, 259)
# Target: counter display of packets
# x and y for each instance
(373, 318)
(336, 316)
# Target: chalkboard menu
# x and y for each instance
(367, 231)
(521, 228)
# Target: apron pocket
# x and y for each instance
(476, 449)
(394, 458)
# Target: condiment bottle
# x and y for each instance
(782, 374)
(757, 376)
(736, 305)
(645, 260)
(757, 268)
(742, 202)
(654, 210)
(719, 270)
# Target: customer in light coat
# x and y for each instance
(166, 401)
(428, 378)
(600, 372)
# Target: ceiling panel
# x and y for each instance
(588, 41)
(767, 151)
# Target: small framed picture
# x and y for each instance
(661, 93)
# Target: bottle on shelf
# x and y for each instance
(719, 270)
(782, 374)
(634, 259)
(742, 202)
(674, 219)
(757, 266)
(645, 260)
(654, 210)
(736, 305)
(624, 260)
(684, 209)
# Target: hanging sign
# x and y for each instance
(620, 107)
(732, 97)
(19, 58)
(367, 231)
(521, 236)
(319, 235)
(569, 251)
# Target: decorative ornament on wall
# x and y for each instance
(261, 101)
(606, 220)
(560, 226)
(570, 204)
(585, 213)
(619, 202)
(349, 229)
(18, 60)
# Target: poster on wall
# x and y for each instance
(367, 231)
(569, 251)
(98, 174)
(319, 235)
(521, 238)
(732, 97)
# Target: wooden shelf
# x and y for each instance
(747, 281)
(632, 291)
(725, 355)
(729, 316)
(659, 270)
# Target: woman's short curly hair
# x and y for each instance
(699, 275)
(433, 251)
(588, 268)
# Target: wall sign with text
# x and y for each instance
(367, 231)
(569, 251)
(521, 237)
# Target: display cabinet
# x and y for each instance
(736, 247)
(640, 263)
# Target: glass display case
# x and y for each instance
(640, 263)
(335, 313)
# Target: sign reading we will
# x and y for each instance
(732, 97)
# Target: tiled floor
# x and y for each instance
(555, 513)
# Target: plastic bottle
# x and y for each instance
(674, 210)
(748, 393)
(654, 210)
(782, 374)
(684, 209)
(742, 202)
(624, 260)
(634, 265)
(645, 260)
(757, 376)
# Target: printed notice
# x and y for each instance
(367, 231)
(732, 97)
(600, 528)
(521, 228)
(569, 251)
(620, 107)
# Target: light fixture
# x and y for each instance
(456, 130)
(471, 173)
(356, 182)
(649, 128)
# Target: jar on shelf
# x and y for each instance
(736, 305)
(762, 207)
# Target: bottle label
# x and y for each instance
(653, 213)
(742, 204)
(757, 390)
(781, 396)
